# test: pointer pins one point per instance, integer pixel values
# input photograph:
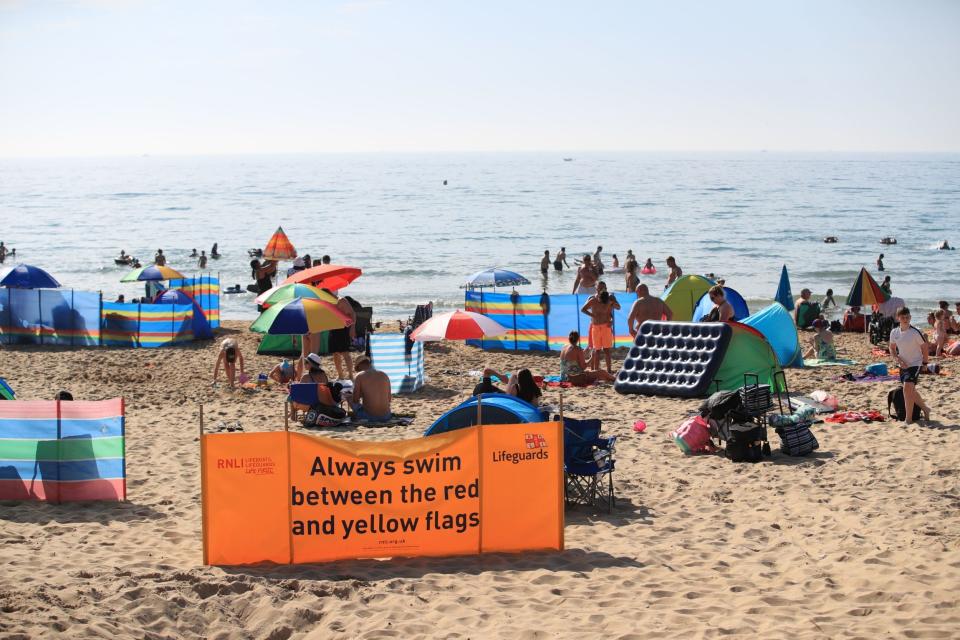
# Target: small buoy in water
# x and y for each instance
(444, 183)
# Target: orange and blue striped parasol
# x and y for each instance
(865, 291)
(279, 247)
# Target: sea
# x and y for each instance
(419, 225)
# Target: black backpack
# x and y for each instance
(897, 406)
(744, 442)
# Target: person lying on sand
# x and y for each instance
(573, 365)
(521, 385)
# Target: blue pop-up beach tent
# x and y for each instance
(497, 408)
(740, 309)
(783, 295)
(201, 328)
(776, 325)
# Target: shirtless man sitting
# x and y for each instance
(646, 308)
(600, 309)
(371, 393)
(586, 281)
(675, 271)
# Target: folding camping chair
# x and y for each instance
(6, 392)
(588, 464)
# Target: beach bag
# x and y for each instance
(877, 369)
(324, 415)
(744, 442)
(897, 406)
(723, 405)
(836, 326)
(797, 439)
(693, 436)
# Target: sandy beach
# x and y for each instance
(859, 540)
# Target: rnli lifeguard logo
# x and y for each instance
(259, 466)
(535, 448)
(534, 440)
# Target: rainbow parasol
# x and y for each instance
(279, 247)
(300, 317)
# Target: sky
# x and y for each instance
(119, 77)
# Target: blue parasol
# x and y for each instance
(25, 276)
(495, 277)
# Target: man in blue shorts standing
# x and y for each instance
(909, 350)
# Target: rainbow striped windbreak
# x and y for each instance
(62, 451)
(542, 323)
(205, 291)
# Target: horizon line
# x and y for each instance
(214, 154)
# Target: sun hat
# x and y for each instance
(315, 359)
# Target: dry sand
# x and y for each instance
(859, 540)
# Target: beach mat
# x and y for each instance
(839, 362)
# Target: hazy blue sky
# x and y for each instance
(96, 77)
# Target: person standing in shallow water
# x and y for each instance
(561, 260)
(880, 263)
(545, 263)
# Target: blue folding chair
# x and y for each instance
(588, 464)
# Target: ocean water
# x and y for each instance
(740, 216)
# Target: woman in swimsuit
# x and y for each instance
(632, 279)
(573, 365)
(229, 356)
(822, 342)
(722, 310)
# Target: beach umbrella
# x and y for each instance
(25, 276)
(286, 292)
(495, 277)
(299, 317)
(279, 247)
(784, 296)
(327, 276)
(152, 272)
(865, 291)
(457, 325)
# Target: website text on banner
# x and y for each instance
(291, 498)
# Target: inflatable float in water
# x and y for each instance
(647, 271)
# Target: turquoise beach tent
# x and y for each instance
(705, 304)
(776, 325)
(784, 296)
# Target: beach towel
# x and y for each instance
(866, 377)
(839, 362)
(843, 417)
(798, 401)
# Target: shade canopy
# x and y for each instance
(457, 325)
(327, 276)
(152, 272)
(495, 277)
(285, 292)
(279, 247)
(865, 291)
(25, 276)
(300, 317)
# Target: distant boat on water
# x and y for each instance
(568, 159)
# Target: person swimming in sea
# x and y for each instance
(213, 251)
(193, 253)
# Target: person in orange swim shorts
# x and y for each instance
(600, 308)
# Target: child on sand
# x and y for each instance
(229, 356)
(909, 351)
(821, 345)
